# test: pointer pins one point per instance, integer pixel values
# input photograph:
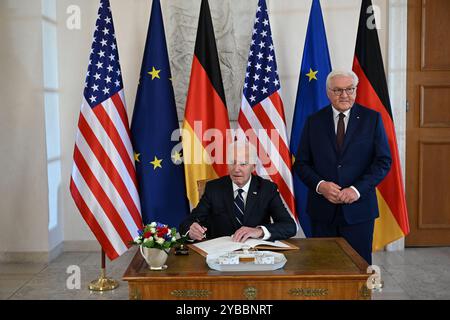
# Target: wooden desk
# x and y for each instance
(326, 268)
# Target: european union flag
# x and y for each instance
(311, 96)
(159, 167)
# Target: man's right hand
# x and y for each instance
(197, 232)
(330, 191)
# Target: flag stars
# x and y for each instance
(268, 69)
(93, 98)
(256, 77)
(118, 72)
(276, 82)
(112, 57)
(99, 65)
(110, 68)
(312, 74)
(117, 83)
(252, 98)
(105, 91)
(262, 44)
(154, 73)
(94, 87)
(156, 163)
(264, 90)
(264, 34)
(136, 157)
(101, 54)
(104, 42)
(258, 66)
(107, 20)
(108, 79)
(266, 79)
(254, 87)
(105, 31)
(97, 76)
(113, 46)
(265, 22)
(260, 55)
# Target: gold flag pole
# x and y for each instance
(103, 283)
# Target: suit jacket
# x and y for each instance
(364, 161)
(215, 210)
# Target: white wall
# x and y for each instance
(233, 22)
(23, 174)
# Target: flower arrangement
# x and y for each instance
(156, 235)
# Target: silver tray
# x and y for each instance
(280, 261)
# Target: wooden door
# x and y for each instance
(428, 123)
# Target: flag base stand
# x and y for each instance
(103, 283)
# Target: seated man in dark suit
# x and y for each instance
(240, 204)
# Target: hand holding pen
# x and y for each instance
(197, 231)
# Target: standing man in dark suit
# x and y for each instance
(343, 155)
(240, 204)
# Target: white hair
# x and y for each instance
(342, 73)
(244, 146)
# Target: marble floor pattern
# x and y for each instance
(416, 273)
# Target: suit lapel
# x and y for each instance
(353, 123)
(329, 124)
(229, 201)
(252, 197)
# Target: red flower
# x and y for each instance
(162, 232)
(147, 234)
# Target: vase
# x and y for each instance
(155, 258)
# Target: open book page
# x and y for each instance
(226, 244)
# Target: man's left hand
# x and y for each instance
(243, 233)
(347, 196)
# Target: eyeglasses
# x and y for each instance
(339, 92)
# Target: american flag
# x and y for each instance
(261, 117)
(103, 182)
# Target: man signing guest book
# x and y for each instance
(240, 204)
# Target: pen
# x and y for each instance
(198, 221)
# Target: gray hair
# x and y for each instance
(342, 73)
(242, 145)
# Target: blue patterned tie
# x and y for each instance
(239, 207)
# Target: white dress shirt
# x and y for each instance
(267, 234)
(335, 120)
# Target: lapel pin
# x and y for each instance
(357, 117)
(254, 192)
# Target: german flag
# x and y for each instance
(373, 93)
(204, 149)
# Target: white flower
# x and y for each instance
(160, 240)
(153, 230)
(153, 224)
(137, 240)
(148, 240)
(174, 239)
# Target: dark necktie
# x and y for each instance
(239, 206)
(340, 132)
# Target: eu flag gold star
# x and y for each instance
(156, 163)
(312, 74)
(176, 157)
(154, 73)
(136, 157)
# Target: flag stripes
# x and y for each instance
(103, 181)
